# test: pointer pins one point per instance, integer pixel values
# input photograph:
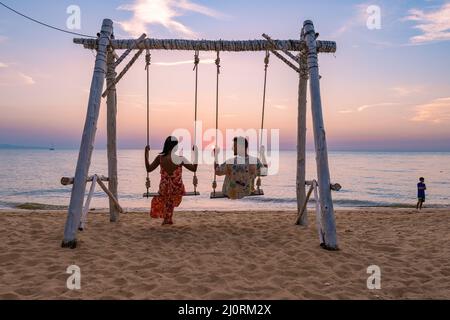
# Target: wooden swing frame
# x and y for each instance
(305, 63)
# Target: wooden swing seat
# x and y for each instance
(220, 195)
(156, 194)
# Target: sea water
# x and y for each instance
(368, 179)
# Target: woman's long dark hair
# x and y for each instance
(169, 145)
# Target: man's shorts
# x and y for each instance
(422, 199)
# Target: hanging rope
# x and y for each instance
(214, 184)
(148, 58)
(196, 63)
(266, 66)
(261, 149)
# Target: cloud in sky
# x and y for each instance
(3, 38)
(358, 19)
(434, 24)
(280, 107)
(11, 77)
(345, 111)
(436, 111)
(369, 106)
(404, 91)
(164, 13)
(376, 105)
(26, 79)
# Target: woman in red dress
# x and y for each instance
(171, 187)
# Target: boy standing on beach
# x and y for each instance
(421, 187)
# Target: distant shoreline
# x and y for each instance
(16, 147)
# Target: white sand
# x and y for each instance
(227, 256)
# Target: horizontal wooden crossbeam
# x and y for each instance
(65, 181)
(208, 45)
(333, 186)
(126, 53)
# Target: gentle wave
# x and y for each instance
(337, 202)
(39, 192)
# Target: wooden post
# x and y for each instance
(323, 172)
(111, 103)
(87, 141)
(301, 144)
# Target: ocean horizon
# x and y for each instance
(290, 149)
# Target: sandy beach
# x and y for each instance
(211, 255)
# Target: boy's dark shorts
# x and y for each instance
(422, 199)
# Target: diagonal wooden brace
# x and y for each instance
(119, 77)
(274, 49)
(290, 64)
(127, 52)
(274, 45)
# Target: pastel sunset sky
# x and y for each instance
(386, 89)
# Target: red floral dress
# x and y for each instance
(171, 192)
